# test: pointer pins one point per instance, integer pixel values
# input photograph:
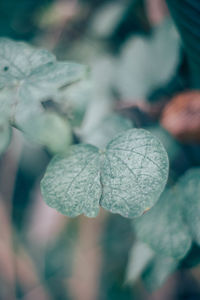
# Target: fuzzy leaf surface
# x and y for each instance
(134, 173)
(71, 184)
(134, 162)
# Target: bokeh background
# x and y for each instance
(140, 77)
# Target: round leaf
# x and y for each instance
(72, 182)
(134, 173)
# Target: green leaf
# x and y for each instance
(18, 59)
(160, 268)
(33, 74)
(48, 129)
(147, 62)
(163, 229)
(134, 173)
(134, 162)
(72, 182)
(189, 189)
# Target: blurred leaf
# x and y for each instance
(163, 229)
(158, 271)
(131, 180)
(189, 186)
(147, 62)
(107, 129)
(48, 129)
(107, 18)
(140, 255)
(181, 116)
(34, 74)
(186, 14)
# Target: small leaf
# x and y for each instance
(72, 182)
(163, 229)
(134, 173)
(126, 178)
(189, 187)
(158, 271)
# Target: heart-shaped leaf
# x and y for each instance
(126, 178)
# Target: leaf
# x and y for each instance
(34, 74)
(186, 16)
(163, 229)
(134, 173)
(72, 182)
(189, 187)
(140, 255)
(48, 129)
(147, 62)
(134, 162)
(18, 59)
(5, 135)
(160, 268)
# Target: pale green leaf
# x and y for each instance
(72, 182)
(189, 189)
(147, 62)
(126, 178)
(18, 60)
(163, 228)
(134, 173)
(33, 74)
